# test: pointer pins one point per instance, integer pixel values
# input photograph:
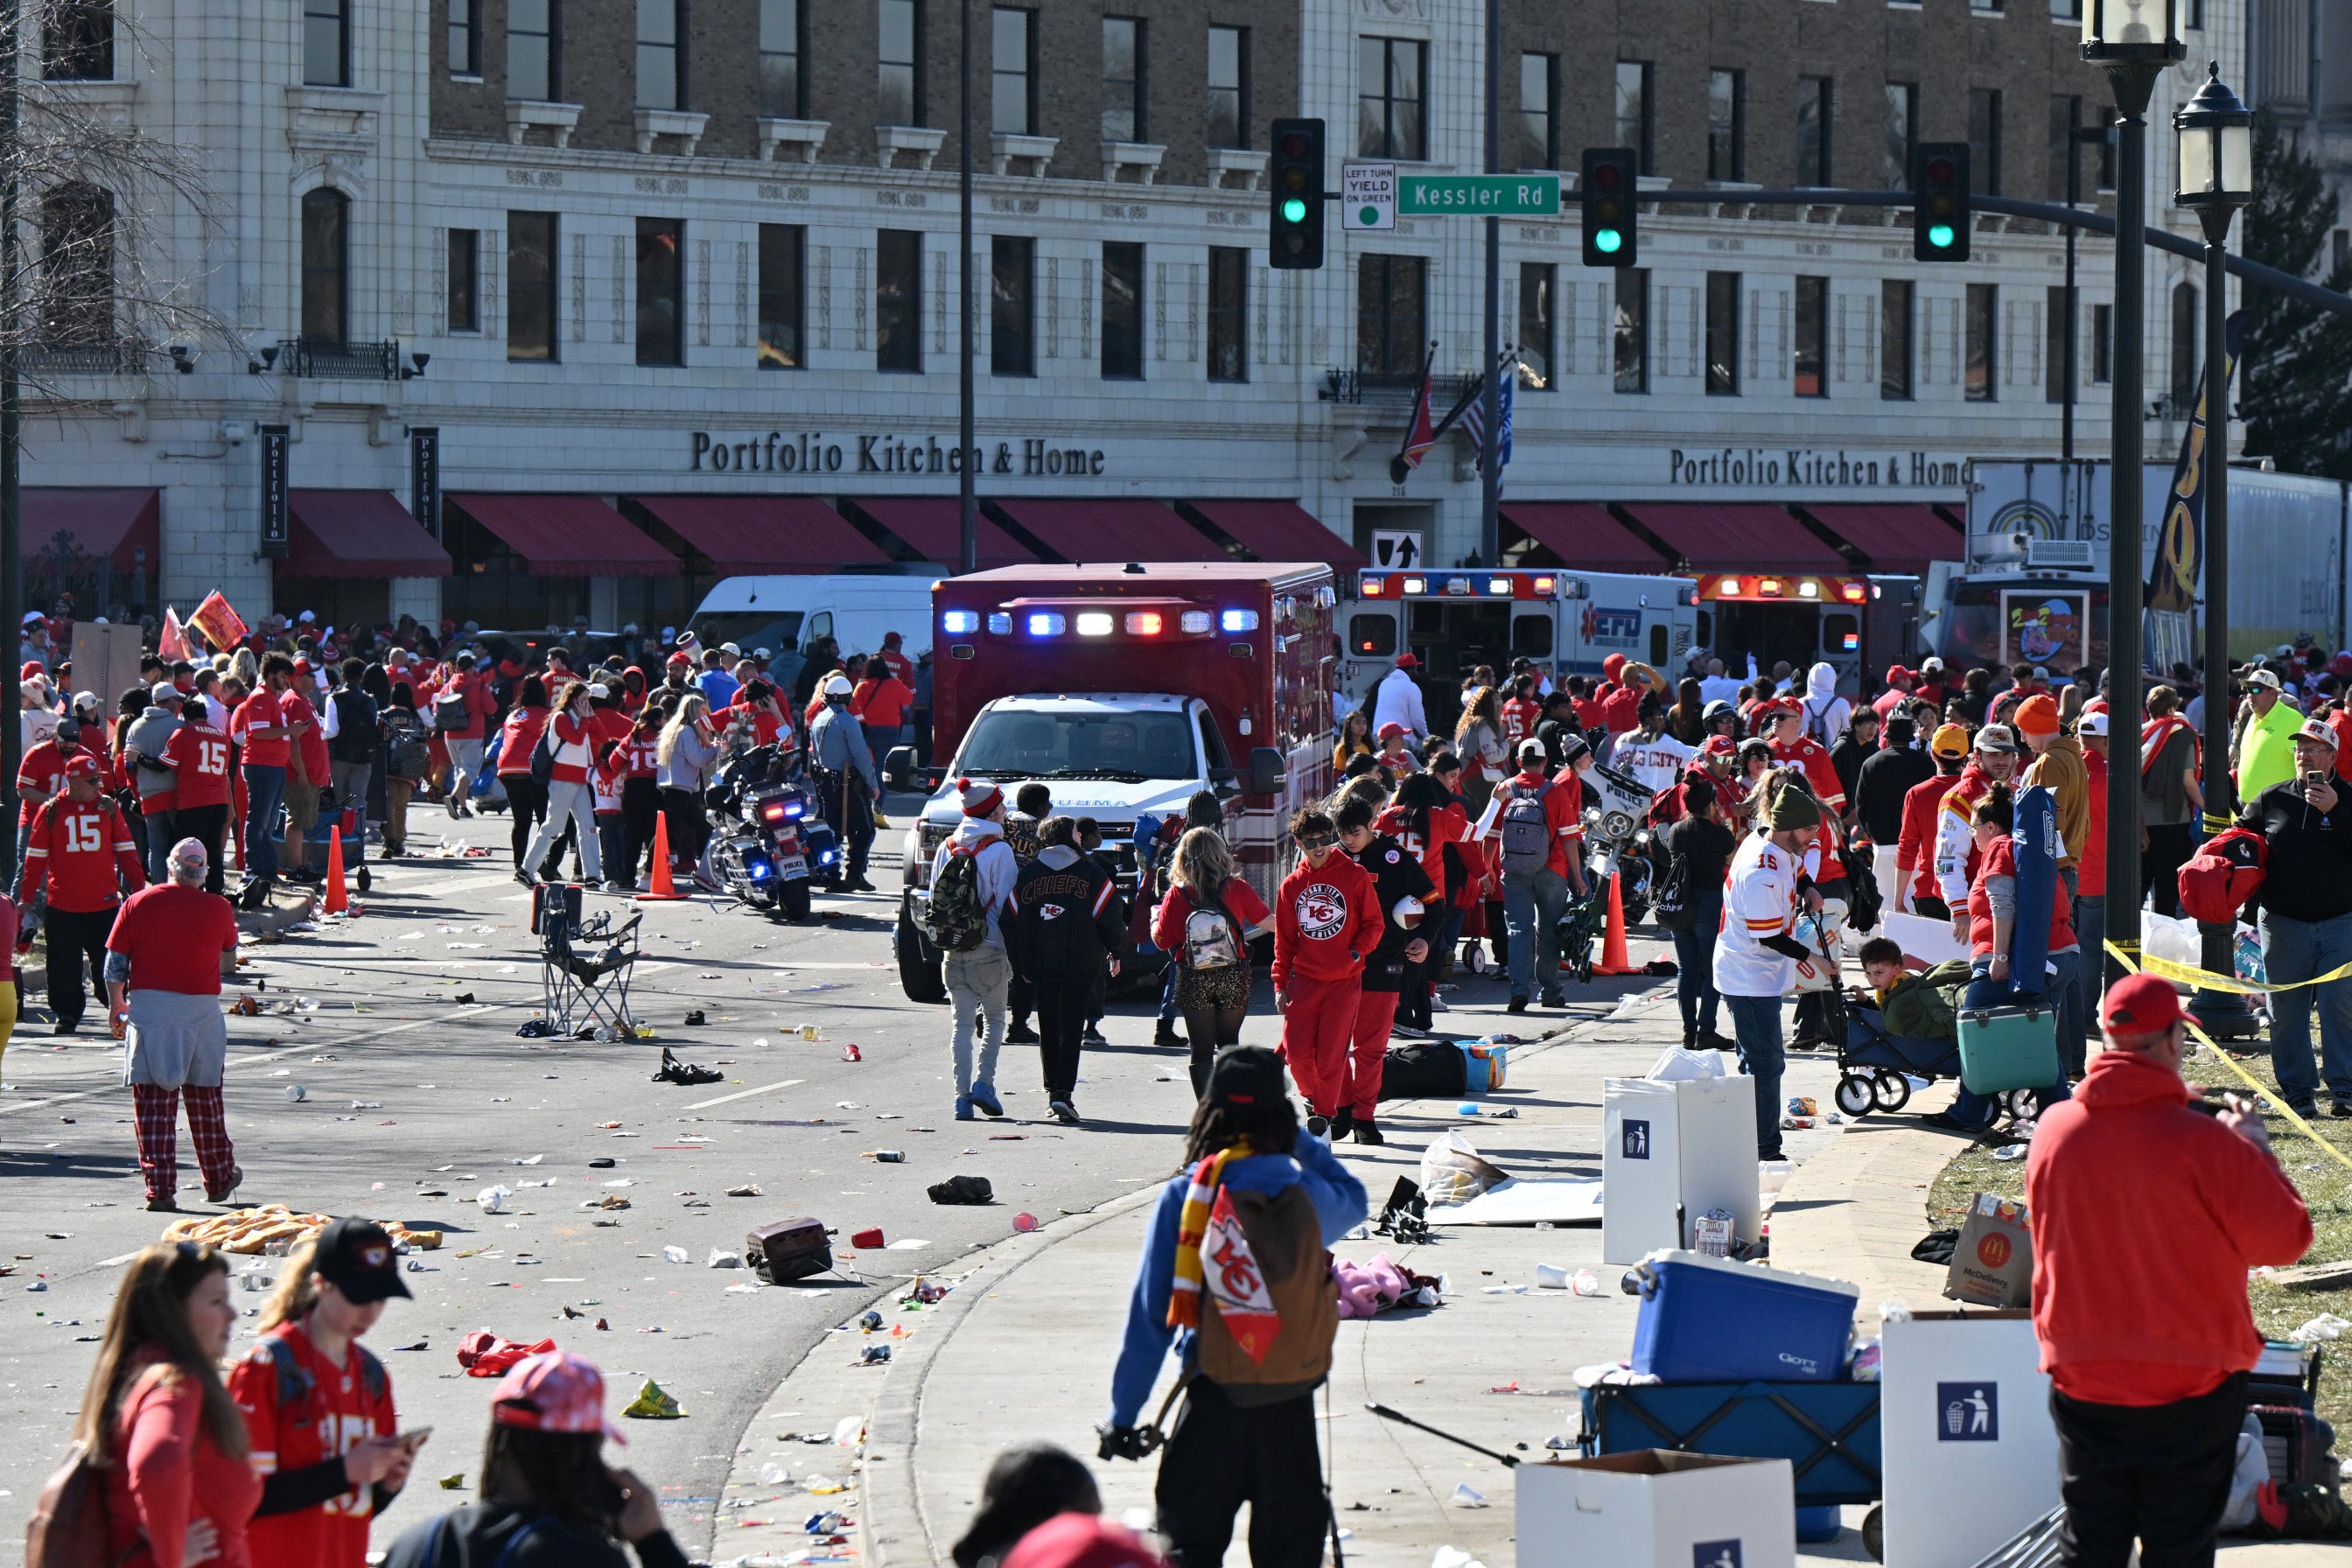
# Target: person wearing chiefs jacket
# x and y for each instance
(1405, 891)
(1916, 890)
(77, 856)
(1066, 926)
(2147, 1347)
(1327, 919)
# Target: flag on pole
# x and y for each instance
(1420, 435)
(220, 625)
(170, 643)
(1473, 417)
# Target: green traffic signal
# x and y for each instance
(1940, 236)
(1293, 211)
(1608, 240)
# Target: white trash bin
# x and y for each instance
(1654, 1509)
(1670, 1152)
(1969, 1453)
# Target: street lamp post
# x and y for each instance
(2217, 178)
(2135, 41)
(967, 501)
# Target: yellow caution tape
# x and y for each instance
(2206, 979)
(2228, 1061)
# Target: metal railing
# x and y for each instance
(89, 359)
(327, 361)
(1394, 386)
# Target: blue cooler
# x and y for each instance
(1709, 1319)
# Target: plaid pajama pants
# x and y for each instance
(157, 1113)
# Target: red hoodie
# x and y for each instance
(1326, 918)
(2147, 1216)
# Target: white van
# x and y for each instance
(785, 614)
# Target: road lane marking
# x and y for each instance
(745, 1093)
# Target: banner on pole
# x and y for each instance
(2181, 540)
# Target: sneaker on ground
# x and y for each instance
(983, 1095)
(1517, 1005)
(1369, 1131)
(964, 1107)
(1438, 1003)
(1318, 1125)
(1342, 1123)
(1019, 1035)
(1407, 1032)
(1090, 1036)
(1065, 1113)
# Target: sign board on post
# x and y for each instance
(424, 477)
(1397, 548)
(1368, 197)
(106, 659)
(275, 541)
(1478, 196)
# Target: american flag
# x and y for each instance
(1473, 417)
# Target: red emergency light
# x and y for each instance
(1731, 587)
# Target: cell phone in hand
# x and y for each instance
(414, 1438)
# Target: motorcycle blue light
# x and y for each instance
(794, 809)
(825, 857)
(758, 871)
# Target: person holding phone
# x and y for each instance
(2306, 920)
(326, 1440)
(548, 1498)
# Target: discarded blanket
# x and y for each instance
(1367, 1290)
(483, 1354)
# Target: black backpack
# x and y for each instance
(1674, 909)
(956, 919)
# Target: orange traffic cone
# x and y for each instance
(1614, 957)
(661, 891)
(338, 900)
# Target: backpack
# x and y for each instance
(1287, 1238)
(2226, 871)
(542, 756)
(449, 712)
(1524, 829)
(405, 739)
(1674, 909)
(955, 918)
(1208, 937)
(1816, 722)
(68, 1527)
(1865, 901)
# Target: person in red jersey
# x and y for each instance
(1327, 920)
(78, 856)
(198, 755)
(164, 958)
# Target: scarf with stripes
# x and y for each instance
(1184, 1294)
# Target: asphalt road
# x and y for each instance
(416, 1099)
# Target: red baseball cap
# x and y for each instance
(681, 657)
(1719, 746)
(554, 1391)
(2139, 1005)
(1896, 672)
(1408, 662)
(1391, 728)
(1082, 1541)
(82, 765)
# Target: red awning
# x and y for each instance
(1282, 530)
(1895, 538)
(1080, 531)
(748, 535)
(932, 527)
(1736, 537)
(1584, 535)
(112, 523)
(568, 536)
(359, 534)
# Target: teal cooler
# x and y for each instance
(2003, 1049)
(1709, 1319)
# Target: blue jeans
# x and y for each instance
(2091, 926)
(1756, 1026)
(1168, 1012)
(1976, 1109)
(1532, 903)
(1695, 952)
(265, 793)
(2298, 950)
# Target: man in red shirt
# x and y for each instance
(2091, 875)
(1536, 871)
(76, 849)
(42, 775)
(259, 728)
(900, 665)
(1327, 919)
(306, 773)
(198, 754)
(2146, 1347)
(880, 703)
(1918, 892)
(164, 958)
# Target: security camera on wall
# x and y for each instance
(235, 431)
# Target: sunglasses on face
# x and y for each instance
(1319, 841)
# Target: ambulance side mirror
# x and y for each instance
(1268, 769)
(899, 768)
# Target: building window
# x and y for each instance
(1228, 87)
(2065, 10)
(1389, 103)
(661, 64)
(2053, 345)
(784, 296)
(326, 260)
(78, 41)
(77, 266)
(465, 39)
(1726, 125)
(1537, 125)
(2105, 178)
(532, 66)
(1980, 373)
(2187, 333)
(1813, 109)
(1810, 367)
(1722, 334)
(2065, 114)
(1228, 312)
(530, 286)
(462, 305)
(1538, 338)
(1901, 133)
(1984, 141)
(2194, 14)
(1012, 73)
(2103, 344)
(1987, 8)
(1894, 340)
(899, 299)
(1122, 311)
(326, 43)
(661, 290)
(1392, 313)
(1631, 357)
(783, 41)
(1123, 80)
(900, 52)
(1011, 305)
(1634, 110)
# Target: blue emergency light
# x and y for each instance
(1238, 621)
(960, 622)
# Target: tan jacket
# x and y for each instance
(2061, 770)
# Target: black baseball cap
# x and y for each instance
(356, 1256)
(1245, 1075)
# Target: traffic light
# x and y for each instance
(1939, 201)
(1295, 234)
(1606, 194)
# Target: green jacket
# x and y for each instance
(1925, 1006)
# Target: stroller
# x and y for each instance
(1875, 1067)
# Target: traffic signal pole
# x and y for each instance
(1490, 470)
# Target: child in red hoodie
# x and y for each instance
(1327, 917)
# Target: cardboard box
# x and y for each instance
(1993, 1262)
(1969, 1453)
(1654, 1509)
(1670, 1152)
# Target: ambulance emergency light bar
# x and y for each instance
(1502, 585)
(1037, 623)
(1752, 587)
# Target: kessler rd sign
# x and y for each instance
(1478, 196)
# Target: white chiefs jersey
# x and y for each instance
(1657, 763)
(1759, 900)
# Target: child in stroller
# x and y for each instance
(1901, 1028)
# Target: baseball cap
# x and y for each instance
(2093, 723)
(2037, 715)
(1996, 738)
(355, 1256)
(1896, 672)
(1530, 748)
(2261, 677)
(1931, 665)
(1391, 731)
(2318, 732)
(598, 689)
(163, 691)
(553, 1390)
(1082, 1541)
(2139, 1005)
(1245, 1075)
(81, 765)
(1719, 746)
(728, 647)
(1949, 741)
(1408, 662)
(679, 657)
(892, 639)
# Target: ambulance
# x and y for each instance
(1125, 691)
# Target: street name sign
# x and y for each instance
(1478, 196)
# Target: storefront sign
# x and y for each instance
(275, 539)
(424, 477)
(814, 452)
(1813, 468)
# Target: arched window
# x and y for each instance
(326, 263)
(77, 266)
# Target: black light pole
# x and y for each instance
(2217, 178)
(1490, 489)
(12, 563)
(2135, 41)
(2081, 137)
(967, 499)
